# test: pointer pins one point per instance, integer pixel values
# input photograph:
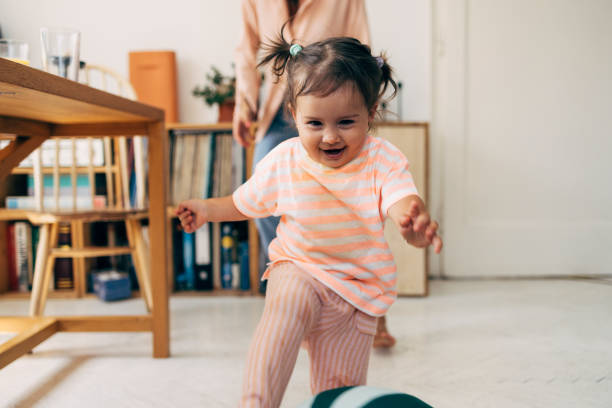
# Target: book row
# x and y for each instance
(215, 257)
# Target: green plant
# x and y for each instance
(217, 89)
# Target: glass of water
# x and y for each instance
(60, 51)
(14, 50)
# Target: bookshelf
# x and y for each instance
(248, 229)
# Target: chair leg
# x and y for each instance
(78, 262)
(140, 259)
(48, 274)
(43, 268)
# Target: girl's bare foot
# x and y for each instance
(383, 339)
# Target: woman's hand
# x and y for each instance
(418, 229)
(192, 214)
(244, 117)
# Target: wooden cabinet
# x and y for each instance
(412, 268)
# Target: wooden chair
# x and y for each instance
(117, 208)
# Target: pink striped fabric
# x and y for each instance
(301, 310)
(332, 221)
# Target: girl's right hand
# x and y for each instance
(192, 214)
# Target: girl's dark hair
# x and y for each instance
(323, 67)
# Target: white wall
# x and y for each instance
(205, 32)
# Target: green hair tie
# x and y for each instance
(294, 49)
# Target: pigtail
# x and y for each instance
(278, 52)
(386, 76)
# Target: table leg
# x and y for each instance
(158, 184)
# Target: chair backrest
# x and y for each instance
(107, 80)
(75, 163)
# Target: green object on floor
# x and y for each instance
(363, 397)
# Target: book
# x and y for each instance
(153, 76)
(188, 260)
(216, 250)
(23, 255)
(238, 165)
(124, 174)
(243, 259)
(210, 166)
(140, 171)
(199, 187)
(177, 162)
(62, 268)
(180, 279)
(35, 238)
(186, 168)
(13, 278)
(203, 259)
(131, 177)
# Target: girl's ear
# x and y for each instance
(372, 113)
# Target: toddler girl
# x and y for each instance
(331, 271)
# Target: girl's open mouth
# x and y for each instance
(333, 153)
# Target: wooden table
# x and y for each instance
(35, 106)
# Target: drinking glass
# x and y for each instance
(15, 50)
(60, 51)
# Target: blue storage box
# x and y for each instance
(112, 285)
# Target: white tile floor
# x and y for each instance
(539, 343)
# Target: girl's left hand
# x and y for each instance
(418, 229)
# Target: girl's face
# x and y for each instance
(333, 128)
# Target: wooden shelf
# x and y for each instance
(9, 214)
(90, 252)
(65, 170)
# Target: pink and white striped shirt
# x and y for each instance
(332, 220)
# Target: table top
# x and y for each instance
(30, 93)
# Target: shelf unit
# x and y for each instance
(253, 237)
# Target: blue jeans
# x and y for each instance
(281, 129)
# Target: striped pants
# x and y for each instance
(300, 310)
